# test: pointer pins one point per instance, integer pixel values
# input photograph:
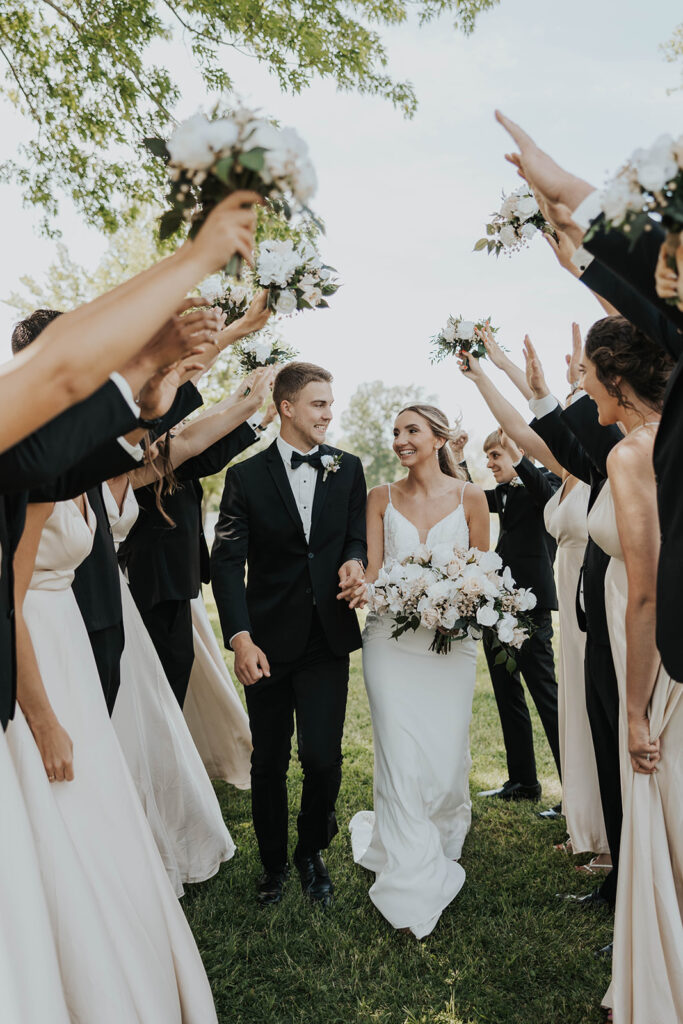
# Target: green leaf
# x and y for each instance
(223, 168)
(500, 657)
(169, 223)
(510, 664)
(253, 159)
(157, 147)
(481, 244)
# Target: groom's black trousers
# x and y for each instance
(314, 688)
(536, 663)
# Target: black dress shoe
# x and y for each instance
(315, 878)
(605, 953)
(515, 791)
(552, 813)
(591, 901)
(270, 886)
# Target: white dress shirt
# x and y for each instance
(124, 387)
(302, 480)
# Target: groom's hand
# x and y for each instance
(351, 575)
(251, 663)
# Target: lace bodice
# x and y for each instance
(602, 524)
(565, 520)
(401, 537)
(121, 522)
(65, 542)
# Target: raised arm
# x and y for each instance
(53, 742)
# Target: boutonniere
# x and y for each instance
(516, 482)
(330, 464)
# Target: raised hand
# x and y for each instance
(269, 415)
(564, 249)
(457, 445)
(228, 231)
(493, 349)
(574, 360)
(557, 186)
(257, 315)
(262, 384)
(470, 365)
(669, 282)
(534, 370)
(158, 394)
(508, 445)
(184, 332)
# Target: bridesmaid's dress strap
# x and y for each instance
(389, 490)
(462, 493)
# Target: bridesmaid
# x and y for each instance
(626, 375)
(125, 949)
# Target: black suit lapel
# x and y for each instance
(279, 475)
(321, 491)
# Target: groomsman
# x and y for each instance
(524, 544)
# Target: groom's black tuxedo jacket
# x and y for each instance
(524, 544)
(635, 297)
(259, 526)
(48, 456)
(170, 563)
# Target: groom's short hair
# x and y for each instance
(293, 377)
(492, 441)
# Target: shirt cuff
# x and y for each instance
(241, 632)
(587, 210)
(515, 464)
(126, 392)
(134, 450)
(582, 259)
(255, 421)
(540, 407)
(576, 395)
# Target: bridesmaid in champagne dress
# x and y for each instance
(126, 952)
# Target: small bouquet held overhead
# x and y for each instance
(460, 335)
(211, 156)
(263, 349)
(295, 276)
(459, 594)
(515, 224)
(650, 182)
(233, 299)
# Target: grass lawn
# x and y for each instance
(505, 951)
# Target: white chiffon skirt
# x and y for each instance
(174, 788)
(126, 952)
(421, 706)
(213, 711)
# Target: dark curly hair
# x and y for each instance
(28, 330)
(617, 349)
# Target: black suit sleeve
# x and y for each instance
(636, 265)
(229, 559)
(66, 440)
(217, 456)
(598, 441)
(187, 399)
(563, 444)
(540, 486)
(355, 544)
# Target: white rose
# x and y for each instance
(466, 330)
(313, 296)
(526, 207)
(509, 206)
(490, 561)
(525, 600)
(442, 555)
(429, 618)
(487, 615)
(213, 288)
(528, 231)
(654, 175)
(619, 197)
(508, 579)
(518, 637)
(189, 145)
(261, 349)
(508, 236)
(506, 628)
(238, 294)
(222, 134)
(286, 303)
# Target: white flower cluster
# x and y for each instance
(459, 335)
(266, 348)
(642, 184)
(198, 144)
(458, 593)
(515, 224)
(294, 274)
(232, 298)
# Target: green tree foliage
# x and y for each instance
(367, 426)
(81, 71)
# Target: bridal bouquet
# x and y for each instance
(263, 349)
(211, 156)
(459, 594)
(515, 224)
(233, 299)
(295, 276)
(460, 335)
(651, 181)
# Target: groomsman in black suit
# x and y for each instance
(294, 516)
(528, 549)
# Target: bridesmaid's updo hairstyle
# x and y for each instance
(622, 354)
(440, 427)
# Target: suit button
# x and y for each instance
(310, 554)
(308, 590)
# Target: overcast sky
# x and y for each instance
(404, 201)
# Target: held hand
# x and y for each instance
(184, 332)
(534, 370)
(350, 575)
(574, 360)
(669, 282)
(228, 231)
(251, 663)
(457, 446)
(158, 394)
(56, 750)
(470, 366)
(564, 249)
(256, 316)
(262, 385)
(360, 596)
(644, 753)
(269, 415)
(493, 349)
(509, 446)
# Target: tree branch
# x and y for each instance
(63, 14)
(22, 90)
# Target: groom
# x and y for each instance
(294, 515)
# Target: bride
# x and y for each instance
(420, 701)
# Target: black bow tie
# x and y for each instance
(313, 460)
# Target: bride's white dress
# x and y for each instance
(125, 950)
(175, 790)
(421, 706)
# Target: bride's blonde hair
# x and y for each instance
(440, 427)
